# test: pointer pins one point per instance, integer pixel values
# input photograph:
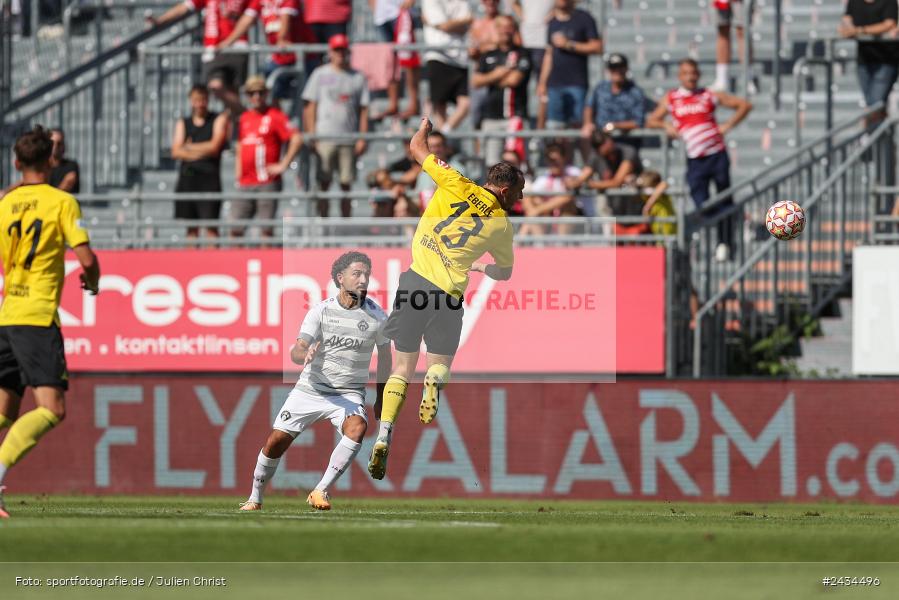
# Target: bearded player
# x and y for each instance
(462, 222)
(37, 222)
(335, 345)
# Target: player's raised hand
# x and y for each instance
(426, 125)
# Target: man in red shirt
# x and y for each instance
(692, 109)
(222, 73)
(263, 130)
(283, 23)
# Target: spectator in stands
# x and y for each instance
(446, 23)
(877, 60)
(64, 172)
(616, 104)
(512, 157)
(533, 16)
(572, 38)
(328, 18)
(337, 101)
(554, 197)
(613, 166)
(387, 17)
(482, 38)
(503, 73)
(692, 110)
(283, 24)
(398, 204)
(198, 142)
(263, 130)
(657, 203)
(223, 73)
(731, 13)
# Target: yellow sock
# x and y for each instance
(394, 397)
(5, 422)
(439, 372)
(25, 433)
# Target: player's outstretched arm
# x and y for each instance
(90, 278)
(419, 143)
(493, 271)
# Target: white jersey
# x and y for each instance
(347, 340)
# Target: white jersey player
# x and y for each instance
(334, 345)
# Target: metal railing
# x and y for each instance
(772, 283)
(132, 225)
(94, 103)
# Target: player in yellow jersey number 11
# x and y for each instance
(462, 222)
(37, 222)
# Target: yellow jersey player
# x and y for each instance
(36, 223)
(462, 222)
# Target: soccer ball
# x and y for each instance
(785, 220)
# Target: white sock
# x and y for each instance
(721, 72)
(2, 472)
(385, 430)
(265, 470)
(344, 453)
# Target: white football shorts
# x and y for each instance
(303, 409)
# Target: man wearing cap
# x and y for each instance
(616, 104)
(337, 100)
(263, 130)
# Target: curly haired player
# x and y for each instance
(334, 345)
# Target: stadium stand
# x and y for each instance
(118, 111)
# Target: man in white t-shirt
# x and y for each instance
(446, 23)
(334, 345)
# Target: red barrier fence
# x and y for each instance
(665, 440)
(240, 310)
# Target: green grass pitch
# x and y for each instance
(613, 546)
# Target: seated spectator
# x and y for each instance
(393, 21)
(446, 23)
(877, 62)
(613, 165)
(655, 204)
(398, 204)
(616, 104)
(424, 185)
(283, 24)
(503, 73)
(64, 172)
(223, 73)
(198, 141)
(572, 38)
(337, 101)
(512, 157)
(558, 171)
(263, 130)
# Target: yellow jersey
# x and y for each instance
(36, 223)
(461, 223)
